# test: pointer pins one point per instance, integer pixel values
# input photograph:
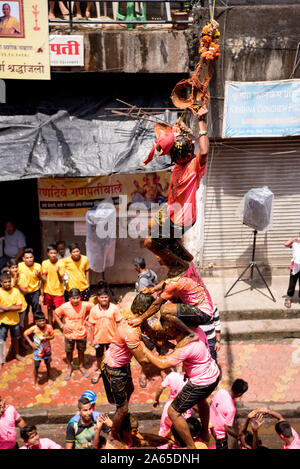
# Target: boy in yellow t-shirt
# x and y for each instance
(10, 307)
(77, 268)
(15, 282)
(53, 271)
(31, 278)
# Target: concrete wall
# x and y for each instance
(257, 43)
(137, 51)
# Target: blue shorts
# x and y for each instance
(37, 361)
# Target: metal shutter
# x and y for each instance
(234, 167)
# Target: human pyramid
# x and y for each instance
(180, 303)
(167, 316)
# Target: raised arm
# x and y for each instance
(289, 243)
(203, 135)
(256, 423)
(272, 413)
(243, 432)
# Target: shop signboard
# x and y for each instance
(66, 51)
(68, 199)
(24, 40)
(262, 109)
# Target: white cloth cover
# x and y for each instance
(101, 235)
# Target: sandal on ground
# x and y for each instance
(143, 382)
(84, 372)
(287, 303)
(96, 377)
(68, 375)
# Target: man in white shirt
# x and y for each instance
(14, 243)
(294, 244)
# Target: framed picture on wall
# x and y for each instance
(12, 19)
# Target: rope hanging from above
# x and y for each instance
(192, 93)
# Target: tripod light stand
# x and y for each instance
(252, 265)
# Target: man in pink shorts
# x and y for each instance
(52, 288)
(203, 377)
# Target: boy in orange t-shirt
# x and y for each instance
(103, 319)
(74, 314)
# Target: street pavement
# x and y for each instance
(271, 367)
(271, 370)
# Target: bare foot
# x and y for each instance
(36, 386)
(51, 17)
(20, 358)
(68, 374)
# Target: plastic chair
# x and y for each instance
(133, 13)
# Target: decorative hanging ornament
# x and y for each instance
(193, 93)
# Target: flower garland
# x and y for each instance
(209, 49)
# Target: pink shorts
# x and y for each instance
(53, 301)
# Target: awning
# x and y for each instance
(92, 142)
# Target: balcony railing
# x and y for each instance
(135, 14)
